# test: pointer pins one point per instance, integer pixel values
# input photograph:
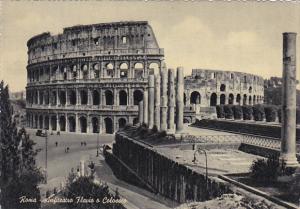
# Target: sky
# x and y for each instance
(237, 36)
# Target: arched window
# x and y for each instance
(108, 125)
(195, 98)
(153, 69)
(122, 97)
(53, 122)
(62, 123)
(85, 72)
(72, 124)
(223, 87)
(96, 97)
(62, 97)
(96, 69)
(222, 99)
(72, 97)
(213, 99)
(95, 124)
(83, 124)
(230, 99)
(124, 70)
(83, 97)
(109, 97)
(238, 99)
(138, 70)
(245, 99)
(137, 97)
(250, 89)
(110, 70)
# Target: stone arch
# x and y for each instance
(96, 70)
(153, 68)
(85, 71)
(41, 97)
(74, 72)
(62, 97)
(72, 123)
(95, 125)
(195, 98)
(46, 97)
(41, 121)
(122, 97)
(138, 70)
(213, 99)
(109, 97)
(46, 119)
(83, 124)
(109, 70)
(96, 97)
(223, 87)
(108, 125)
(64, 73)
(238, 99)
(137, 97)
(83, 97)
(124, 70)
(53, 122)
(135, 121)
(72, 97)
(122, 123)
(250, 100)
(62, 123)
(250, 89)
(230, 99)
(245, 99)
(222, 99)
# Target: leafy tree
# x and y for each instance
(19, 175)
(238, 112)
(258, 112)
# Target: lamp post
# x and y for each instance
(199, 151)
(46, 154)
(97, 145)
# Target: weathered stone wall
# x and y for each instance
(169, 178)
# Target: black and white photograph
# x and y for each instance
(150, 104)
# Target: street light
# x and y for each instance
(46, 154)
(97, 144)
(199, 151)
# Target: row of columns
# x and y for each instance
(160, 100)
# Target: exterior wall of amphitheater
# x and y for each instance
(90, 79)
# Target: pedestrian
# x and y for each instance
(56, 143)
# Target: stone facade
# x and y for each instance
(91, 79)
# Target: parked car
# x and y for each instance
(40, 132)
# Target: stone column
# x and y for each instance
(179, 100)
(57, 123)
(141, 104)
(151, 96)
(157, 102)
(145, 107)
(164, 100)
(90, 99)
(77, 125)
(171, 100)
(288, 129)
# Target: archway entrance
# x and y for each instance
(96, 97)
(53, 123)
(109, 97)
(62, 123)
(195, 98)
(83, 124)
(122, 97)
(72, 124)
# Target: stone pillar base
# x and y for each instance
(289, 159)
(179, 135)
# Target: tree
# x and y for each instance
(19, 175)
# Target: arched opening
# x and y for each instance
(250, 100)
(238, 99)
(74, 72)
(41, 121)
(96, 97)
(153, 69)
(83, 97)
(96, 69)
(62, 98)
(46, 122)
(137, 97)
(122, 123)
(95, 125)
(85, 72)
(195, 98)
(223, 87)
(83, 124)
(250, 89)
(138, 70)
(230, 99)
(72, 97)
(254, 99)
(109, 97)
(122, 97)
(62, 123)
(110, 70)
(53, 98)
(213, 99)
(124, 70)
(64, 73)
(46, 97)
(72, 124)
(108, 125)
(222, 99)
(53, 123)
(245, 99)
(135, 121)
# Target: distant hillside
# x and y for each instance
(273, 96)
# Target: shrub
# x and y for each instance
(228, 111)
(266, 171)
(220, 111)
(237, 112)
(258, 112)
(271, 113)
(247, 112)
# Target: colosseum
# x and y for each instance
(91, 78)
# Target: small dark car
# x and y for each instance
(40, 132)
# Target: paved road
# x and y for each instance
(61, 163)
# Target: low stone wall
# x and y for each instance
(242, 127)
(169, 178)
